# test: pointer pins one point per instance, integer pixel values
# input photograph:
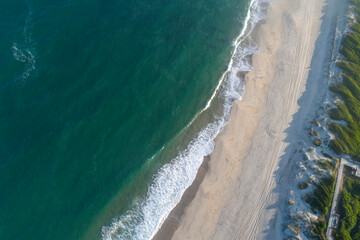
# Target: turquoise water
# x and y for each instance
(95, 97)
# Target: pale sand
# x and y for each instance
(235, 197)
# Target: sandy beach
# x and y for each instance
(236, 194)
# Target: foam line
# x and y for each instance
(170, 182)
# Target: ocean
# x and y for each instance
(108, 108)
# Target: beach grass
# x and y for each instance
(349, 227)
(327, 165)
(320, 201)
(346, 126)
(318, 228)
(347, 132)
(322, 196)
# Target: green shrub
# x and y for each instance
(303, 185)
(314, 133)
(347, 136)
(323, 194)
(320, 201)
(349, 226)
(318, 228)
(326, 164)
(317, 142)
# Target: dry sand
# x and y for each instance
(234, 194)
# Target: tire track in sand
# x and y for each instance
(298, 76)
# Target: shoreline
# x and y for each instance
(166, 190)
(233, 191)
(171, 223)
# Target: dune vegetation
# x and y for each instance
(320, 201)
(347, 131)
(350, 211)
(345, 125)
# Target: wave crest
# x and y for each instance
(170, 182)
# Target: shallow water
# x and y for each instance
(96, 97)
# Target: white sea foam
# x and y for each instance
(25, 55)
(24, 51)
(170, 182)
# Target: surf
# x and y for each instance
(147, 215)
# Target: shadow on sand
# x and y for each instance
(296, 134)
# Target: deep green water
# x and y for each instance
(90, 91)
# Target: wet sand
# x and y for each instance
(233, 195)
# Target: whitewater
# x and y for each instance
(170, 182)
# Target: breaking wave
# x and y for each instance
(170, 182)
